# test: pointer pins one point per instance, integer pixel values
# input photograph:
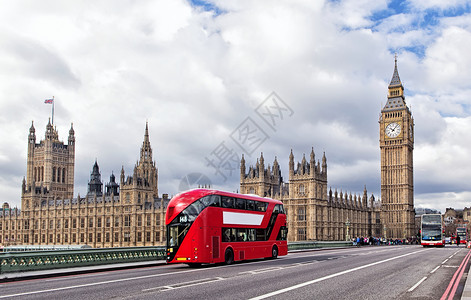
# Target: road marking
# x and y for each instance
(433, 271)
(331, 276)
(184, 284)
(96, 283)
(443, 262)
(417, 284)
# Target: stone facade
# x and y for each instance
(125, 214)
(313, 211)
(396, 129)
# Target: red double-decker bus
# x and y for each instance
(209, 226)
(462, 232)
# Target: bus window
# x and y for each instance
(176, 234)
(215, 200)
(226, 234)
(282, 234)
(240, 203)
(260, 235)
(250, 205)
(261, 206)
(278, 209)
(241, 234)
(251, 235)
(227, 202)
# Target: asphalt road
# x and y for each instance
(382, 272)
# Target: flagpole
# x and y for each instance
(52, 110)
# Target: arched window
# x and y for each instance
(301, 189)
(54, 174)
(128, 197)
(252, 190)
(63, 175)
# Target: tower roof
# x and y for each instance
(395, 80)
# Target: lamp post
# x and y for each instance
(347, 237)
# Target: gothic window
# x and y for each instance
(128, 198)
(58, 224)
(252, 190)
(127, 221)
(90, 237)
(301, 214)
(139, 220)
(58, 239)
(63, 175)
(108, 222)
(66, 223)
(148, 221)
(107, 237)
(66, 238)
(74, 223)
(139, 236)
(148, 236)
(157, 220)
(127, 237)
(138, 197)
(35, 172)
(116, 221)
(82, 238)
(98, 222)
(58, 175)
(43, 225)
(301, 189)
(90, 222)
(82, 223)
(54, 174)
(116, 237)
(98, 237)
(301, 234)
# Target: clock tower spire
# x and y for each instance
(396, 127)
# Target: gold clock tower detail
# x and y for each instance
(396, 131)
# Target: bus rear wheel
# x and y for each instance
(274, 252)
(229, 257)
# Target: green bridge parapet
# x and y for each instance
(309, 245)
(55, 259)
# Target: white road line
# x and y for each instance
(443, 262)
(93, 283)
(417, 284)
(185, 284)
(331, 276)
(433, 271)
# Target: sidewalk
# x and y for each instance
(73, 271)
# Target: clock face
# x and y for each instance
(393, 130)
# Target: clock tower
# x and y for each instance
(396, 132)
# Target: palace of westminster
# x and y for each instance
(131, 213)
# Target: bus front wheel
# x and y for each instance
(229, 257)
(274, 252)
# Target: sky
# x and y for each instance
(218, 79)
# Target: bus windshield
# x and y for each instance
(431, 232)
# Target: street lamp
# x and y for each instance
(347, 238)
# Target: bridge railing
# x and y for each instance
(55, 259)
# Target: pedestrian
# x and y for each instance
(457, 240)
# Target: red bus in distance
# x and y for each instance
(210, 226)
